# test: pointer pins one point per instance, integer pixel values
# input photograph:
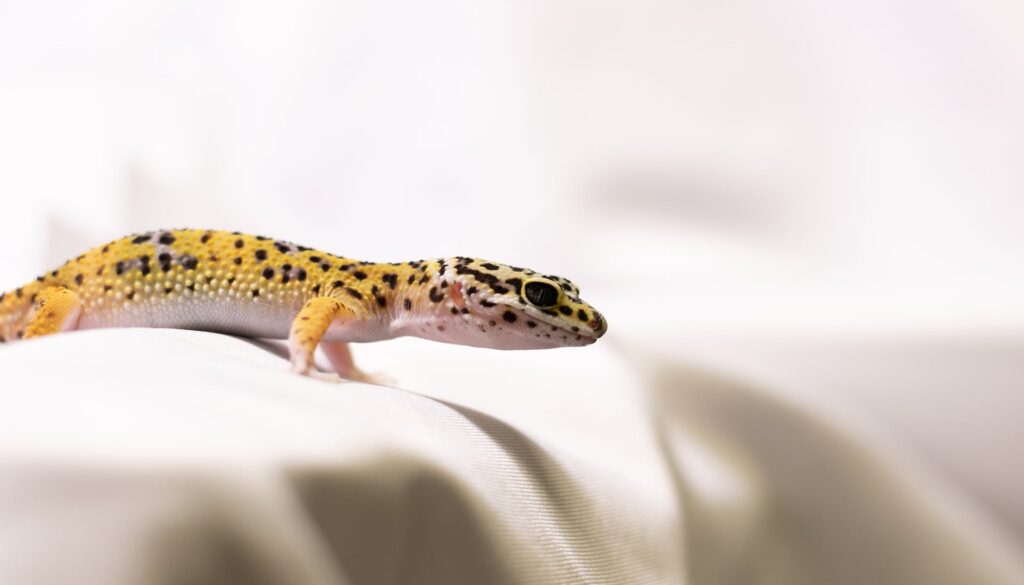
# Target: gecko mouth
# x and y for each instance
(579, 336)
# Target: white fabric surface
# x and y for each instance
(155, 457)
(173, 456)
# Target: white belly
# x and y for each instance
(224, 315)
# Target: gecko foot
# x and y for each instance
(310, 371)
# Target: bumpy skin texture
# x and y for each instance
(259, 287)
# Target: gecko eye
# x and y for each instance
(541, 294)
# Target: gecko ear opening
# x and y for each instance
(541, 293)
(457, 297)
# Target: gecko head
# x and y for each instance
(508, 307)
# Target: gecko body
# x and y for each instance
(256, 286)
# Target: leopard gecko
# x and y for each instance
(255, 286)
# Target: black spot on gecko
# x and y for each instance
(282, 248)
(239, 243)
(237, 261)
(499, 289)
(164, 257)
(268, 273)
(582, 316)
(488, 265)
(436, 296)
(285, 278)
(455, 311)
(168, 290)
(260, 255)
(412, 278)
(354, 293)
(141, 239)
(484, 277)
(167, 239)
(359, 274)
(301, 274)
(145, 269)
(471, 290)
(381, 301)
(18, 292)
(390, 279)
(516, 283)
(325, 267)
(424, 279)
(286, 267)
(119, 267)
(338, 283)
(189, 262)
(79, 279)
(191, 287)
(106, 288)
(408, 305)
(565, 310)
(314, 259)
(486, 303)
(509, 316)
(316, 289)
(531, 324)
(206, 237)
(255, 292)
(105, 249)
(131, 295)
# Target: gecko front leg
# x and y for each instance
(308, 328)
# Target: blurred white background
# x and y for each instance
(830, 162)
(779, 167)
